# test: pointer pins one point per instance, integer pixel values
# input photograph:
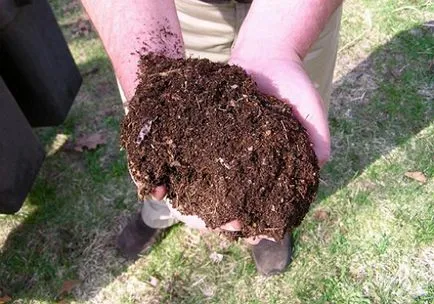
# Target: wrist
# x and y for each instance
(261, 65)
(249, 51)
(284, 26)
(130, 27)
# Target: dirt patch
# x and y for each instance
(224, 150)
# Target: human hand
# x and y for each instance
(287, 80)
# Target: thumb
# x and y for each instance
(159, 193)
(232, 226)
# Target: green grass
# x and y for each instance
(375, 243)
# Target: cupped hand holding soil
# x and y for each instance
(224, 150)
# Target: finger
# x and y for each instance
(159, 193)
(232, 226)
(254, 240)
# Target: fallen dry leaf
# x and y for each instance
(66, 289)
(321, 215)
(416, 175)
(5, 299)
(68, 286)
(89, 142)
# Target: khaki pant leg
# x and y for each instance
(209, 31)
(156, 214)
(321, 59)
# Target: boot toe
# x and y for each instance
(136, 237)
(272, 258)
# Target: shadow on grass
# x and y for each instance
(379, 105)
(75, 215)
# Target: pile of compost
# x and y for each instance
(224, 150)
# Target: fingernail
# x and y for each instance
(159, 193)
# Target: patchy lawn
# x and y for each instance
(368, 239)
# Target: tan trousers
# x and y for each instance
(209, 31)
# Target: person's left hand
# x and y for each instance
(287, 80)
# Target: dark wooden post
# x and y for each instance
(38, 83)
(36, 64)
(21, 155)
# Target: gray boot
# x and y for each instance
(137, 237)
(273, 258)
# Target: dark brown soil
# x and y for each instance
(224, 150)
